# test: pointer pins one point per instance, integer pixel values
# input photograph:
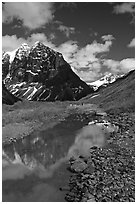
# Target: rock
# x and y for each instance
(101, 114)
(78, 166)
(91, 123)
(88, 198)
(112, 178)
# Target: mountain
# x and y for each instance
(118, 96)
(41, 74)
(104, 81)
(7, 97)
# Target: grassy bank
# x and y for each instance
(23, 118)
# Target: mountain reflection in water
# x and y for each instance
(38, 162)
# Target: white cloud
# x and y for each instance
(76, 56)
(91, 73)
(96, 66)
(66, 30)
(128, 7)
(32, 14)
(122, 66)
(107, 37)
(10, 43)
(88, 76)
(127, 64)
(40, 37)
(68, 49)
(111, 64)
(85, 60)
(84, 57)
(132, 43)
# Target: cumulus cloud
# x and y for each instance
(88, 75)
(10, 43)
(111, 64)
(70, 5)
(40, 37)
(32, 14)
(107, 37)
(127, 64)
(66, 30)
(122, 66)
(69, 49)
(84, 57)
(85, 61)
(132, 43)
(127, 7)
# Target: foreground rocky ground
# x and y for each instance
(108, 174)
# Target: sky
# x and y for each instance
(95, 38)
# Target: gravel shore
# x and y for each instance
(108, 175)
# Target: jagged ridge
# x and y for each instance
(40, 73)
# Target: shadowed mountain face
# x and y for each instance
(119, 95)
(40, 73)
(7, 97)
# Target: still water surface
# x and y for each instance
(35, 167)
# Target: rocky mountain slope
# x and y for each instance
(119, 95)
(7, 97)
(41, 74)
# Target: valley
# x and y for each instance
(63, 137)
(46, 158)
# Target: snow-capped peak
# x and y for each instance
(105, 80)
(24, 45)
(11, 54)
(37, 43)
(23, 49)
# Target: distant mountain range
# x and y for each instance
(105, 81)
(41, 74)
(119, 95)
